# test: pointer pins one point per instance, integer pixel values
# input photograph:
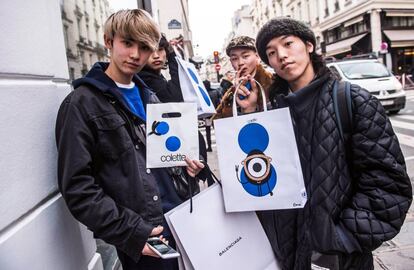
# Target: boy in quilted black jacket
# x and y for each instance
(358, 189)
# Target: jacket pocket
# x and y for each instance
(113, 137)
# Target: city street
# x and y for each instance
(398, 253)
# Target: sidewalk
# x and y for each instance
(396, 254)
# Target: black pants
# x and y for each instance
(208, 136)
(146, 263)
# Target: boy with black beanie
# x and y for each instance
(358, 189)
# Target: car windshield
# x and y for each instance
(364, 70)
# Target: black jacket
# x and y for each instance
(167, 91)
(225, 84)
(102, 171)
(356, 199)
(215, 96)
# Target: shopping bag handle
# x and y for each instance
(235, 97)
(214, 177)
(211, 172)
(177, 53)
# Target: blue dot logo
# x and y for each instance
(205, 96)
(193, 76)
(173, 143)
(253, 137)
(200, 88)
(162, 128)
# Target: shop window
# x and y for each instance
(395, 22)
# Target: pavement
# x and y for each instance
(396, 254)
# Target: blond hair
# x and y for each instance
(133, 24)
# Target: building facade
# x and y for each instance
(385, 28)
(36, 229)
(351, 27)
(173, 19)
(83, 23)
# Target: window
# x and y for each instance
(364, 70)
(336, 6)
(399, 22)
(65, 33)
(79, 28)
(87, 32)
(72, 74)
(326, 8)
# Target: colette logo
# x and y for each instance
(169, 158)
(172, 143)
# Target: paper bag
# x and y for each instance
(213, 239)
(193, 89)
(172, 134)
(259, 161)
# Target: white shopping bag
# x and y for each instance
(172, 134)
(210, 238)
(259, 161)
(193, 89)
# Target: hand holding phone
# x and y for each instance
(248, 86)
(161, 249)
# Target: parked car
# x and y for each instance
(372, 75)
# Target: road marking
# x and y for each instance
(408, 117)
(405, 140)
(401, 124)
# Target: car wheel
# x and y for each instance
(394, 112)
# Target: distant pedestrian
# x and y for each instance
(215, 96)
(227, 81)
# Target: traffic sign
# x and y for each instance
(217, 67)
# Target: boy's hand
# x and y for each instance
(147, 251)
(193, 167)
(249, 103)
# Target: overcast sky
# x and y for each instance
(210, 21)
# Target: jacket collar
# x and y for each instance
(97, 78)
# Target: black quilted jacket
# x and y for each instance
(352, 206)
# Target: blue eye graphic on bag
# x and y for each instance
(258, 176)
(200, 86)
(159, 128)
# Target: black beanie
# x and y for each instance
(282, 26)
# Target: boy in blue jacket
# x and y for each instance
(100, 135)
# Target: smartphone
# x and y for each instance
(161, 249)
(248, 86)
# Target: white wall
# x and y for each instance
(36, 230)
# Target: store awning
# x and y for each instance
(343, 45)
(400, 38)
(354, 21)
